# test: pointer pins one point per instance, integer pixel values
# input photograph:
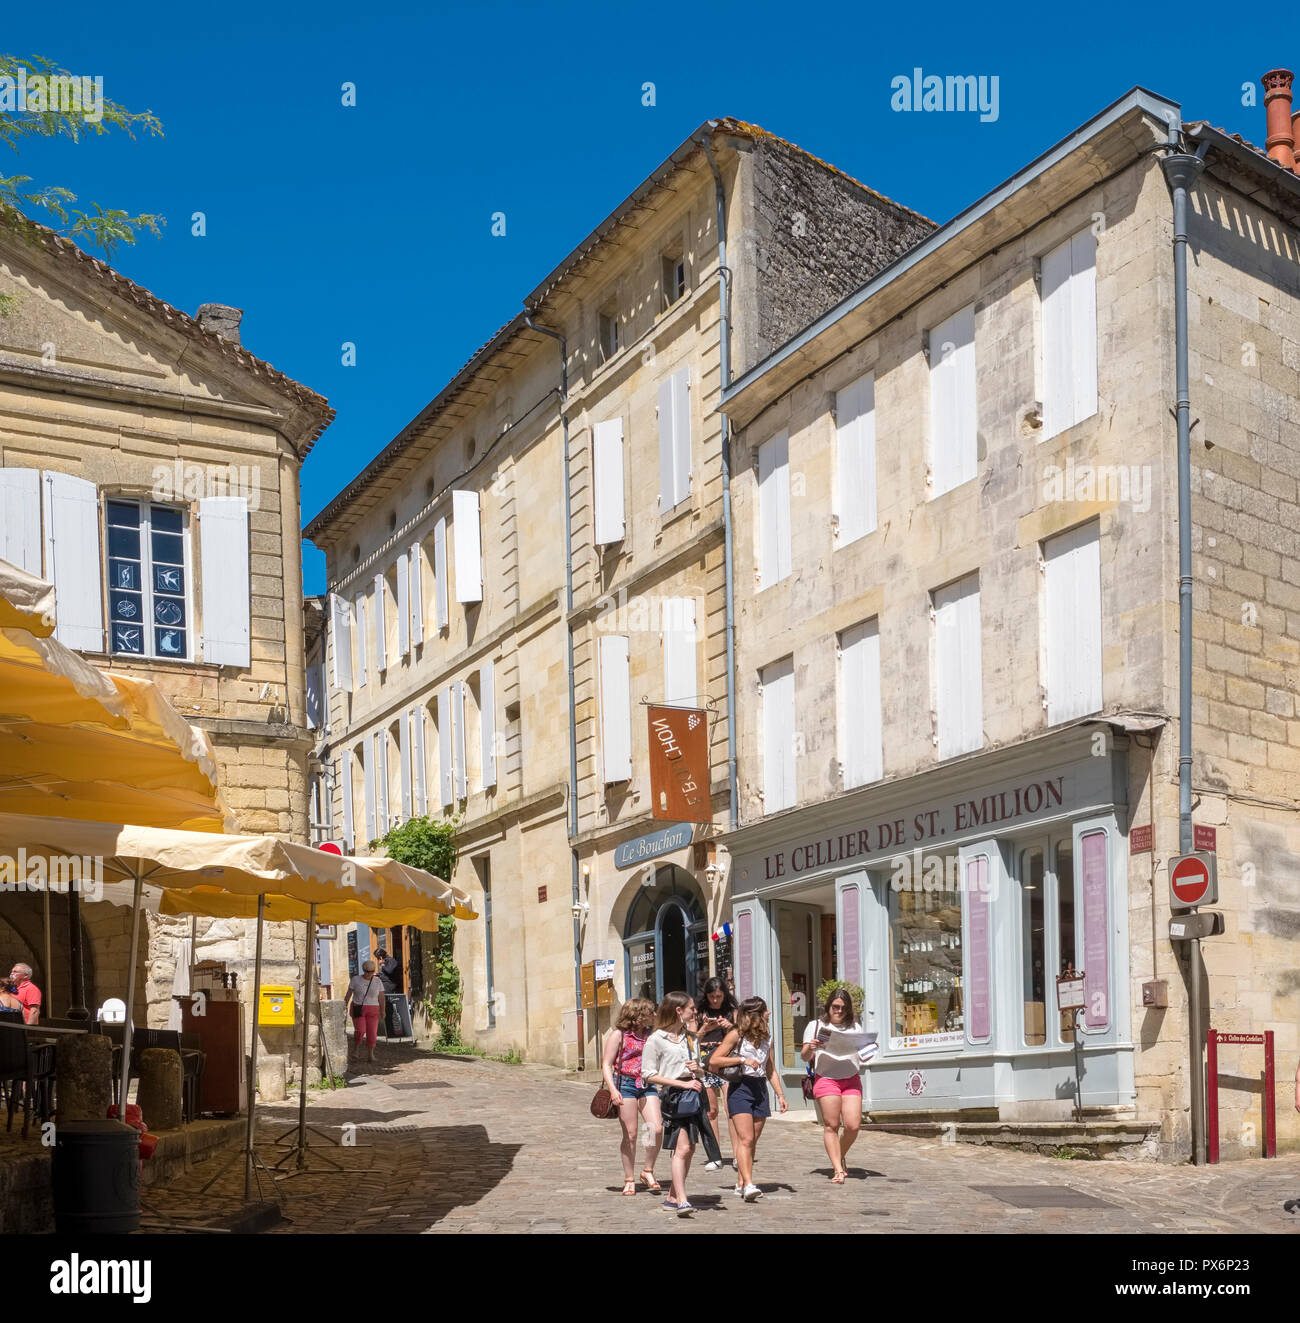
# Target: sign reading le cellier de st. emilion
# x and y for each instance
(679, 764)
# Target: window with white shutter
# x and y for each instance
(1072, 569)
(440, 573)
(369, 771)
(404, 759)
(1068, 284)
(381, 625)
(469, 554)
(315, 695)
(958, 671)
(774, 510)
(416, 588)
(446, 771)
(362, 666)
(418, 718)
(71, 510)
(674, 440)
(607, 463)
(20, 519)
(855, 460)
(458, 736)
(340, 643)
(149, 582)
(954, 442)
(860, 727)
(227, 604)
(681, 679)
(403, 607)
(615, 709)
(777, 682)
(345, 794)
(487, 693)
(381, 780)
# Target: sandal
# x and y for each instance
(649, 1182)
(839, 1177)
(629, 1186)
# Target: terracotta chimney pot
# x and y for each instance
(1280, 143)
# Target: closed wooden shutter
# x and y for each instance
(1083, 322)
(1073, 591)
(403, 607)
(418, 717)
(416, 589)
(469, 556)
(954, 442)
(607, 461)
(446, 772)
(855, 458)
(404, 757)
(223, 546)
(774, 509)
(487, 691)
(681, 680)
(345, 794)
(340, 643)
(958, 671)
(315, 696)
(778, 735)
(72, 561)
(860, 724)
(1068, 280)
(370, 778)
(674, 440)
(458, 736)
(615, 709)
(441, 614)
(381, 780)
(381, 624)
(20, 518)
(362, 665)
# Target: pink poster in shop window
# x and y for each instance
(744, 955)
(979, 1017)
(1096, 921)
(852, 951)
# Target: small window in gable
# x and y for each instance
(609, 334)
(673, 277)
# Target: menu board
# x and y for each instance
(1096, 921)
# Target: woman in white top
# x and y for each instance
(837, 1085)
(366, 993)
(667, 1065)
(749, 1046)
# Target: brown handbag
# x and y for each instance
(603, 1106)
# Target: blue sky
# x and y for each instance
(371, 224)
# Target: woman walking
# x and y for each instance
(621, 1066)
(749, 1047)
(716, 1014)
(366, 993)
(837, 1086)
(666, 1063)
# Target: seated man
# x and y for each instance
(26, 992)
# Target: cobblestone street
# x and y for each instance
(481, 1146)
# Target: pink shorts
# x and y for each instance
(828, 1088)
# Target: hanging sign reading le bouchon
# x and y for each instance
(638, 851)
(679, 764)
(1193, 880)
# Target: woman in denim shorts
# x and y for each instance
(621, 1067)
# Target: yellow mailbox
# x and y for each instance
(276, 1005)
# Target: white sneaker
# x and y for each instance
(740, 1190)
(751, 1193)
(712, 1166)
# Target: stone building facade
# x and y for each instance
(592, 416)
(957, 645)
(149, 467)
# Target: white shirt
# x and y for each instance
(828, 1066)
(754, 1057)
(665, 1058)
(360, 997)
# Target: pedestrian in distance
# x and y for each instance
(747, 1050)
(366, 994)
(621, 1067)
(20, 986)
(667, 1064)
(717, 1014)
(837, 1084)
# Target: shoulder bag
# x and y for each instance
(732, 1074)
(358, 1004)
(809, 1081)
(604, 1105)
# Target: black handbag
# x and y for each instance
(681, 1104)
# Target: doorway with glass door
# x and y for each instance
(805, 937)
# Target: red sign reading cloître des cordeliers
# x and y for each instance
(679, 764)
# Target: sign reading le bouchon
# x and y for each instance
(679, 764)
(631, 853)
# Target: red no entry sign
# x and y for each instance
(1193, 880)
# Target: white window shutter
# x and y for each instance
(615, 708)
(1073, 572)
(315, 696)
(442, 615)
(370, 778)
(362, 665)
(469, 555)
(381, 624)
(972, 666)
(345, 794)
(954, 443)
(1058, 371)
(458, 735)
(958, 670)
(419, 795)
(860, 716)
(682, 433)
(223, 547)
(774, 509)
(855, 456)
(681, 684)
(381, 779)
(20, 518)
(403, 607)
(446, 772)
(607, 462)
(667, 482)
(416, 589)
(340, 643)
(1083, 322)
(778, 735)
(487, 692)
(72, 562)
(404, 756)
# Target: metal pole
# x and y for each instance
(77, 979)
(252, 1057)
(306, 1025)
(48, 971)
(130, 989)
(1212, 1072)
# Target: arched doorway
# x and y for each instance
(665, 937)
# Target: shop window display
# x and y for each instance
(927, 993)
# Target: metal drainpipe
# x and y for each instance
(573, 729)
(724, 352)
(1182, 170)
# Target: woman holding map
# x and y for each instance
(838, 1048)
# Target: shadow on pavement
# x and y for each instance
(462, 1165)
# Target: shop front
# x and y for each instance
(953, 899)
(665, 936)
